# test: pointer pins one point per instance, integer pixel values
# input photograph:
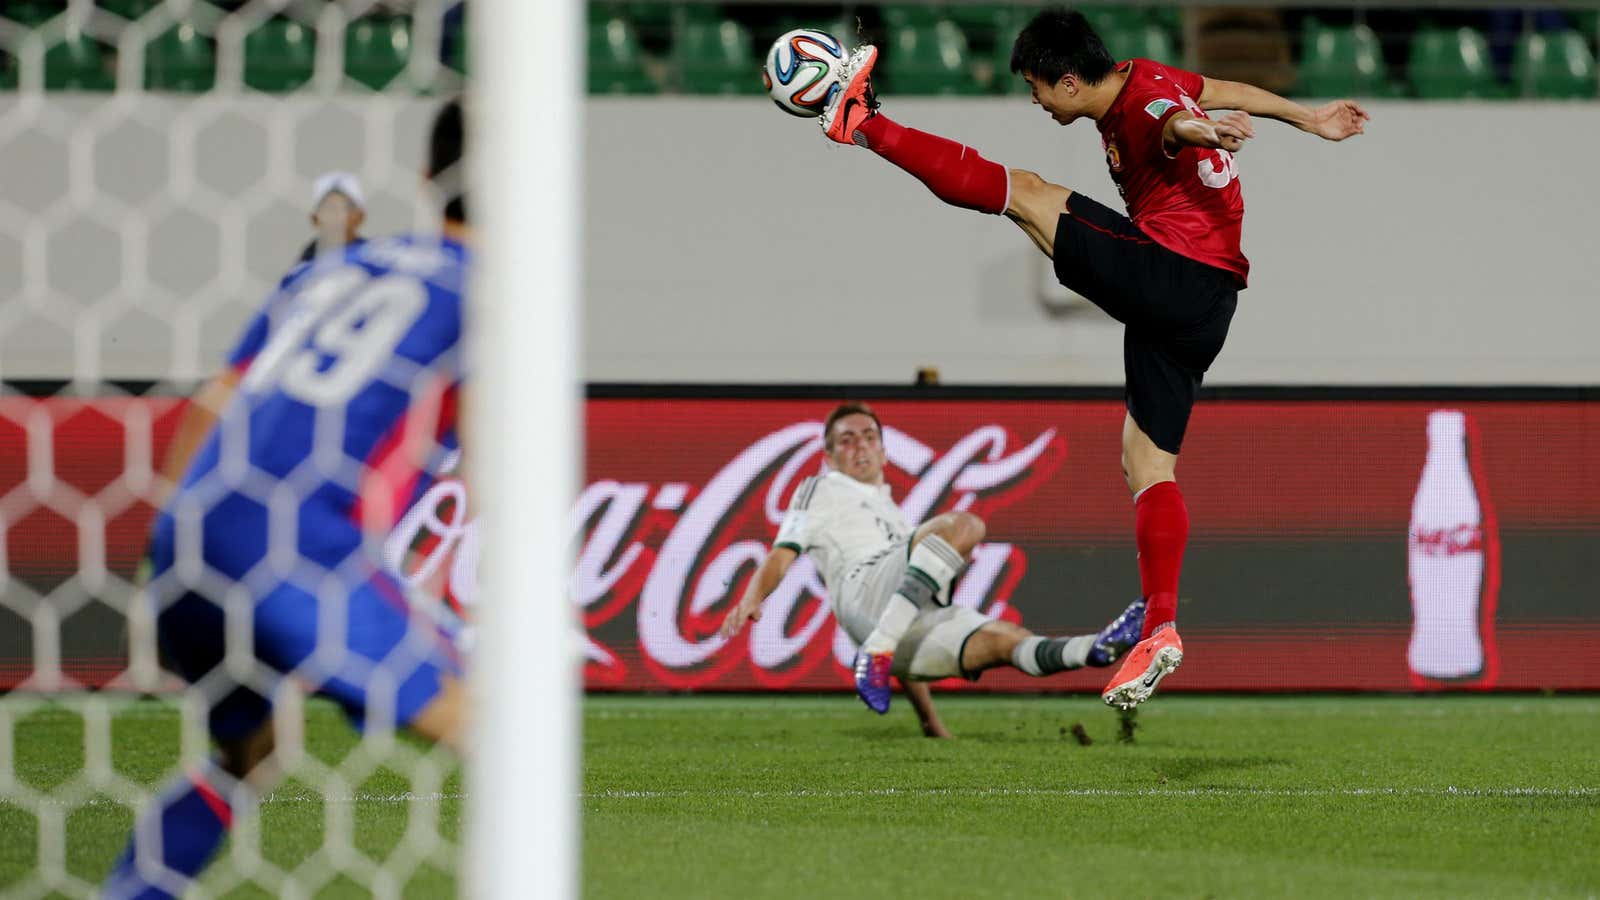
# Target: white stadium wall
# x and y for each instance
(1454, 244)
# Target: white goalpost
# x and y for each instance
(522, 834)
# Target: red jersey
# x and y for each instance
(1191, 203)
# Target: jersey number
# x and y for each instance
(343, 329)
(1216, 171)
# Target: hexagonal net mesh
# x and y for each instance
(203, 644)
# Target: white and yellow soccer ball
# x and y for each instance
(803, 70)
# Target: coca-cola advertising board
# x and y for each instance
(1338, 542)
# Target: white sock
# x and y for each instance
(1039, 656)
(892, 626)
(940, 563)
(1075, 652)
(933, 565)
(1025, 655)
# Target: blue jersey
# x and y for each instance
(349, 380)
(255, 333)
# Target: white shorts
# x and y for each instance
(931, 648)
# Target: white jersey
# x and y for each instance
(844, 524)
(861, 543)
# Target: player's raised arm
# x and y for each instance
(195, 425)
(1333, 121)
(762, 584)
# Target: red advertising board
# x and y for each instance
(1336, 544)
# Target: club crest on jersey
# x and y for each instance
(1158, 108)
(1113, 156)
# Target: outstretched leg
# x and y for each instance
(181, 829)
(1005, 644)
(178, 833)
(954, 172)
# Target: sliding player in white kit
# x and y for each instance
(889, 585)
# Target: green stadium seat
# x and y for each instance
(279, 56)
(716, 59)
(31, 15)
(1003, 81)
(929, 61)
(655, 23)
(1342, 62)
(843, 28)
(77, 64)
(180, 59)
(8, 73)
(981, 21)
(1115, 18)
(1452, 65)
(615, 64)
(131, 10)
(1168, 17)
(376, 50)
(919, 15)
(1147, 41)
(649, 15)
(1555, 65)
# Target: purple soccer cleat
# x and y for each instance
(1115, 639)
(872, 679)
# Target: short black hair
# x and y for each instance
(846, 409)
(1060, 41)
(446, 144)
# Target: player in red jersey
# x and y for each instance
(1170, 270)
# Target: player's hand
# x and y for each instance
(734, 622)
(1232, 133)
(1240, 121)
(1338, 120)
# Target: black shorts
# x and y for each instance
(1176, 311)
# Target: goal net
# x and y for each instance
(164, 162)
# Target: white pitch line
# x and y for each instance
(807, 793)
(103, 800)
(1108, 792)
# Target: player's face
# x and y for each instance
(337, 219)
(1059, 98)
(858, 448)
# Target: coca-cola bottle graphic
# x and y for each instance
(1452, 562)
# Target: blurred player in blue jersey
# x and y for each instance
(265, 561)
(338, 210)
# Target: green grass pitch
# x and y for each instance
(815, 797)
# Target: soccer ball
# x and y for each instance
(803, 69)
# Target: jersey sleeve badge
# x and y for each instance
(1158, 108)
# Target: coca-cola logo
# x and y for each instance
(679, 553)
(1466, 538)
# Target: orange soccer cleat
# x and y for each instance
(854, 102)
(1153, 659)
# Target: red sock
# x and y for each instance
(954, 172)
(1161, 527)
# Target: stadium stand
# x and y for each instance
(678, 46)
